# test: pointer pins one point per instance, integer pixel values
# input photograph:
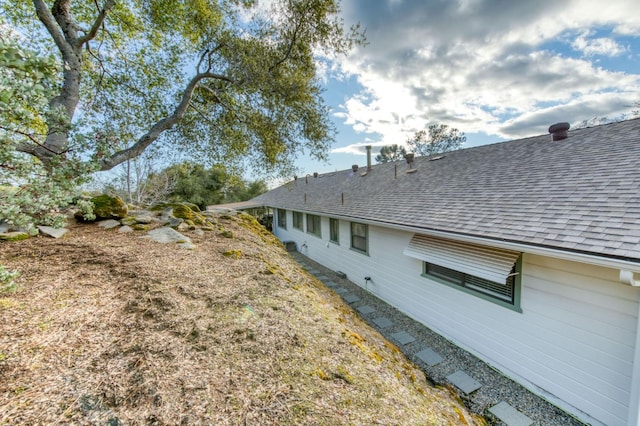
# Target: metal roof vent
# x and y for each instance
(354, 168)
(409, 157)
(559, 131)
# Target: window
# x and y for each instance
(313, 224)
(359, 237)
(282, 218)
(297, 220)
(334, 230)
(507, 293)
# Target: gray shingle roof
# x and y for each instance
(578, 194)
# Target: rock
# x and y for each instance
(199, 232)
(125, 229)
(128, 221)
(186, 211)
(108, 224)
(226, 234)
(173, 221)
(4, 227)
(140, 227)
(166, 235)
(14, 236)
(236, 254)
(52, 232)
(109, 207)
(143, 217)
(183, 226)
(188, 246)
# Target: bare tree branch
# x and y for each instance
(109, 4)
(164, 124)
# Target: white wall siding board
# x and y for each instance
(574, 341)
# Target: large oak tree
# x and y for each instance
(225, 80)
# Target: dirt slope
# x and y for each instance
(109, 328)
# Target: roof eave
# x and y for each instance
(564, 254)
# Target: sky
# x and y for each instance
(494, 69)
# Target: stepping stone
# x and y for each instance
(403, 337)
(329, 283)
(364, 310)
(429, 357)
(341, 290)
(351, 298)
(510, 415)
(464, 382)
(383, 322)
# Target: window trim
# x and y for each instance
(282, 218)
(300, 216)
(333, 220)
(366, 238)
(312, 229)
(517, 287)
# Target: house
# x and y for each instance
(525, 253)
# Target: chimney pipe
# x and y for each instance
(368, 157)
(409, 157)
(354, 168)
(559, 131)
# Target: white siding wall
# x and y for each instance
(573, 342)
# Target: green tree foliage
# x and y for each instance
(208, 186)
(28, 189)
(438, 138)
(227, 79)
(389, 153)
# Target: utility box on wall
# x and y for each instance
(290, 245)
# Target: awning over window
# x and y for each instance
(485, 262)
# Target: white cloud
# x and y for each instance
(476, 64)
(597, 46)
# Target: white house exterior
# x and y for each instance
(525, 253)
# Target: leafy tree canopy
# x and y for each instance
(226, 81)
(27, 190)
(208, 186)
(223, 79)
(389, 153)
(438, 138)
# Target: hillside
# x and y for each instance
(109, 328)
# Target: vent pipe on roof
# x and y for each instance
(354, 168)
(559, 131)
(409, 157)
(368, 157)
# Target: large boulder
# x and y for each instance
(109, 207)
(106, 207)
(182, 212)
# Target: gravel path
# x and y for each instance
(494, 386)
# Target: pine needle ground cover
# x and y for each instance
(110, 328)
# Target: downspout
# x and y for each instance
(634, 394)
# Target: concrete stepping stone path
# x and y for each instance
(430, 357)
(509, 415)
(403, 337)
(464, 382)
(383, 322)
